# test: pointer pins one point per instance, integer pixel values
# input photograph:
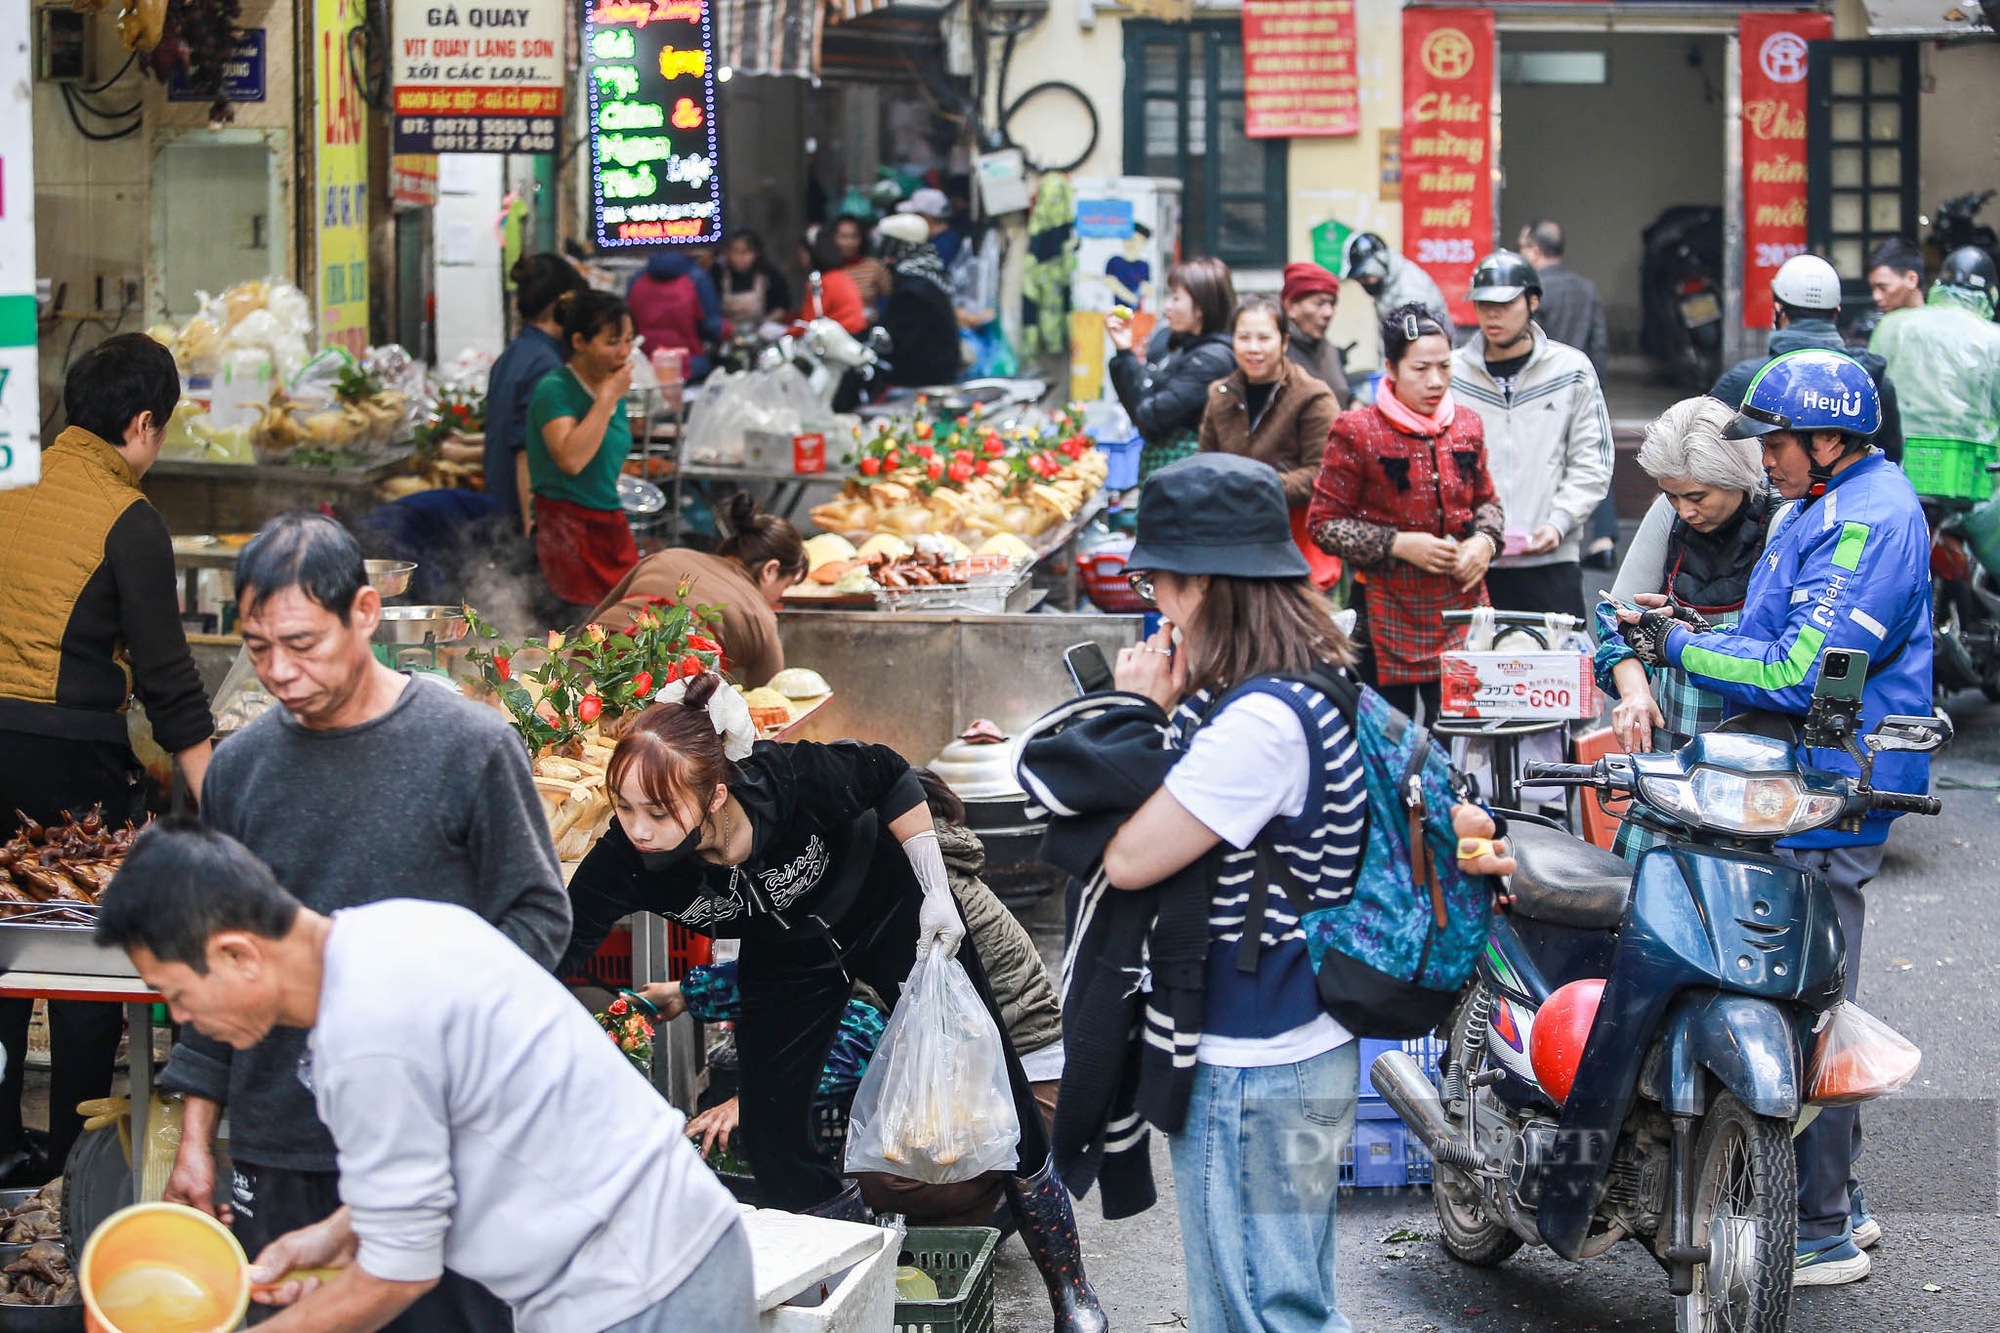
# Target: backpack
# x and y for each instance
(1392, 957)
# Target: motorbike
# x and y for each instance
(1717, 960)
(1957, 225)
(1681, 292)
(1965, 605)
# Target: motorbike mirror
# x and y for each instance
(879, 341)
(1919, 734)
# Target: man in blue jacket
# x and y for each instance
(1847, 566)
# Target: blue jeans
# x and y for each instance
(1257, 1171)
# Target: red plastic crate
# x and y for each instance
(611, 966)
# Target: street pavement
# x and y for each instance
(1931, 968)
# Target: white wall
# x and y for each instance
(466, 241)
(1958, 125)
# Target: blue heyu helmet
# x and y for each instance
(1806, 391)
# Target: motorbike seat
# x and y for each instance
(1561, 880)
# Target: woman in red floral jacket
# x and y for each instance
(1405, 496)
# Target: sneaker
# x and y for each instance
(1866, 1232)
(1830, 1262)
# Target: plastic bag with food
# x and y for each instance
(1859, 1057)
(935, 1105)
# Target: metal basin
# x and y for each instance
(414, 624)
(391, 578)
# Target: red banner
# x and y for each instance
(1448, 145)
(1298, 69)
(1774, 149)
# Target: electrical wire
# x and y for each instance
(69, 101)
(100, 112)
(124, 309)
(98, 88)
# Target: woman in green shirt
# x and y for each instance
(578, 439)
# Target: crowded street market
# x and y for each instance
(895, 666)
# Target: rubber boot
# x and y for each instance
(1048, 1228)
(845, 1206)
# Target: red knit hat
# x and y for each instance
(1304, 278)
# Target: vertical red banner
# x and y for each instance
(1299, 78)
(1448, 145)
(1773, 61)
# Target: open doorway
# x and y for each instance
(1603, 133)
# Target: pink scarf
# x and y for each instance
(1406, 418)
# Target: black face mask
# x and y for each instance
(673, 856)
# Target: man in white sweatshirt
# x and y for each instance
(482, 1120)
(1548, 438)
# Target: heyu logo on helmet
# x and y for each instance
(1847, 404)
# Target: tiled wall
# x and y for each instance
(92, 199)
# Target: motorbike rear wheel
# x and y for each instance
(1746, 1212)
(1471, 1235)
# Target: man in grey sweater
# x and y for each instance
(366, 784)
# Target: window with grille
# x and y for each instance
(1861, 153)
(1184, 121)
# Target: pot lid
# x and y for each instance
(979, 765)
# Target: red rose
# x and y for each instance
(870, 466)
(588, 709)
(934, 471)
(924, 430)
(890, 459)
(701, 643)
(618, 1008)
(503, 668)
(691, 666)
(995, 446)
(961, 471)
(642, 682)
(924, 451)
(981, 468)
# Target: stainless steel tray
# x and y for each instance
(34, 942)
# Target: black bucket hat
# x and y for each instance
(1217, 514)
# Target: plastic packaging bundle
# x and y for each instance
(1859, 1057)
(935, 1105)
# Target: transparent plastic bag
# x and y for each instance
(935, 1105)
(1858, 1057)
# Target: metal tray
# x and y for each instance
(32, 942)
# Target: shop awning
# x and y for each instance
(1925, 18)
(780, 36)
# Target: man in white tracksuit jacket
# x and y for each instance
(1548, 438)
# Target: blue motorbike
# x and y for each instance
(1718, 960)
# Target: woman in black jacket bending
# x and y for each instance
(824, 861)
(1166, 396)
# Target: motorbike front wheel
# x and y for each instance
(1746, 1213)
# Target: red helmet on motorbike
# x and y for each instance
(1562, 1028)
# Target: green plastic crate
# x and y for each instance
(1952, 469)
(960, 1261)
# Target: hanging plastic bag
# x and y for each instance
(935, 1105)
(1859, 1057)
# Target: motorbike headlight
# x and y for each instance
(1733, 803)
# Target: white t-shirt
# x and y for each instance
(1248, 766)
(484, 1122)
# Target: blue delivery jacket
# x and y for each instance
(1849, 569)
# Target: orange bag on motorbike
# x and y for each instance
(1859, 1057)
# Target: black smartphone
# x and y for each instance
(1087, 667)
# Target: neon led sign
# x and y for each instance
(655, 160)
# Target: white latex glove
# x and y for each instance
(937, 919)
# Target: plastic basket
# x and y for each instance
(1951, 469)
(960, 1261)
(611, 966)
(1383, 1154)
(1122, 458)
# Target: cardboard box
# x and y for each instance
(1518, 685)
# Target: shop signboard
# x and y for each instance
(1447, 145)
(478, 79)
(20, 385)
(413, 179)
(340, 178)
(1299, 78)
(242, 73)
(1774, 50)
(655, 161)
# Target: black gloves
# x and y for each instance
(1648, 638)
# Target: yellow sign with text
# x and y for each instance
(340, 174)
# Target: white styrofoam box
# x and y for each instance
(1518, 685)
(858, 1299)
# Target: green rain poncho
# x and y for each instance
(1945, 360)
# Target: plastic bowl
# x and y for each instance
(167, 1269)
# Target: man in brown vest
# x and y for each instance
(89, 613)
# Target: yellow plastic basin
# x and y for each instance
(163, 1268)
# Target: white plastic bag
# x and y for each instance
(935, 1105)
(1859, 1057)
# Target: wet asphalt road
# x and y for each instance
(1931, 968)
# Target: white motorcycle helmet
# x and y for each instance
(1807, 282)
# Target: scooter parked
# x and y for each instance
(1668, 1116)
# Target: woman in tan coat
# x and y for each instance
(1275, 412)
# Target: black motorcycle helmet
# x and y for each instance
(1367, 261)
(1502, 276)
(1970, 268)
